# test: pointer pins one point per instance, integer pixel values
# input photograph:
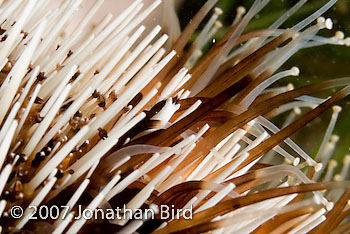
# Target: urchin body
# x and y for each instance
(113, 121)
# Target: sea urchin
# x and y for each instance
(105, 128)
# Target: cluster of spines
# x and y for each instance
(94, 111)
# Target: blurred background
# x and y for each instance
(315, 64)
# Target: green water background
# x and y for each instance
(315, 64)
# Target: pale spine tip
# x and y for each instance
(339, 35)
(296, 161)
(332, 163)
(347, 41)
(329, 206)
(218, 24)
(295, 71)
(334, 138)
(321, 20)
(290, 86)
(347, 159)
(241, 10)
(336, 109)
(329, 24)
(318, 167)
(218, 11)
